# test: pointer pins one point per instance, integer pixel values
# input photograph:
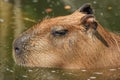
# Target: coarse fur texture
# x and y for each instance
(74, 41)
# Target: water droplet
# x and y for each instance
(24, 76)
(101, 13)
(67, 7)
(99, 73)
(109, 8)
(70, 73)
(92, 77)
(35, 1)
(11, 71)
(6, 0)
(112, 69)
(48, 10)
(1, 20)
(30, 70)
(53, 71)
(83, 70)
(94, 2)
(7, 69)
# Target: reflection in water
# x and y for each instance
(18, 15)
(19, 25)
(58, 74)
(5, 17)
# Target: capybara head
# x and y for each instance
(72, 41)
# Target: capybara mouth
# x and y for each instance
(73, 41)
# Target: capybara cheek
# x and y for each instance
(40, 59)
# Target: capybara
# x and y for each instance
(74, 41)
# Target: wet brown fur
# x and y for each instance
(77, 49)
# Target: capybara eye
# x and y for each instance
(59, 32)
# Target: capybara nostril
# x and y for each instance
(17, 47)
(17, 50)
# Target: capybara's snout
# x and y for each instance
(20, 43)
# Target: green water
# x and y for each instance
(16, 16)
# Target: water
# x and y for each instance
(16, 16)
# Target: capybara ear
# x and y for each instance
(89, 22)
(86, 8)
